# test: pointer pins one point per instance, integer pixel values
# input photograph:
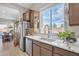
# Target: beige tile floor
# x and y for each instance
(7, 49)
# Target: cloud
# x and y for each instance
(57, 15)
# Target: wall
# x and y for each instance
(36, 21)
(74, 29)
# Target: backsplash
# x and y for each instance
(74, 29)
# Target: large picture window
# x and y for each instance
(53, 18)
(45, 21)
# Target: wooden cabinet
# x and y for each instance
(36, 50)
(28, 15)
(74, 14)
(62, 52)
(44, 45)
(55, 54)
(32, 17)
(42, 49)
(46, 52)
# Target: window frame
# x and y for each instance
(41, 23)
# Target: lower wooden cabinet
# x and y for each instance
(40, 51)
(43, 49)
(46, 52)
(36, 50)
(55, 54)
(63, 52)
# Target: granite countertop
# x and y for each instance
(58, 43)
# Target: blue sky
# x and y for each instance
(57, 14)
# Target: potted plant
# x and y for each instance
(67, 36)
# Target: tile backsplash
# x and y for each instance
(74, 29)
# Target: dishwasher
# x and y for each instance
(28, 47)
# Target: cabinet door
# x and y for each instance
(24, 16)
(73, 14)
(45, 52)
(63, 52)
(36, 50)
(31, 17)
(27, 16)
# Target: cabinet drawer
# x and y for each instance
(49, 47)
(64, 52)
(36, 42)
(45, 52)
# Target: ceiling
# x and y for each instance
(12, 11)
(34, 6)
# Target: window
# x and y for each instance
(57, 18)
(3, 28)
(45, 21)
(53, 18)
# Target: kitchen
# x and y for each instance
(46, 41)
(45, 29)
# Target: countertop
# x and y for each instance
(74, 47)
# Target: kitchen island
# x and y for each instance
(40, 47)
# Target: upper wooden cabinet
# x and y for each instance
(32, 17)
(28, 15)
(74, 14)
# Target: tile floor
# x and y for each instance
(7, 49)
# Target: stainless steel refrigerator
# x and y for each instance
(23, 26)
